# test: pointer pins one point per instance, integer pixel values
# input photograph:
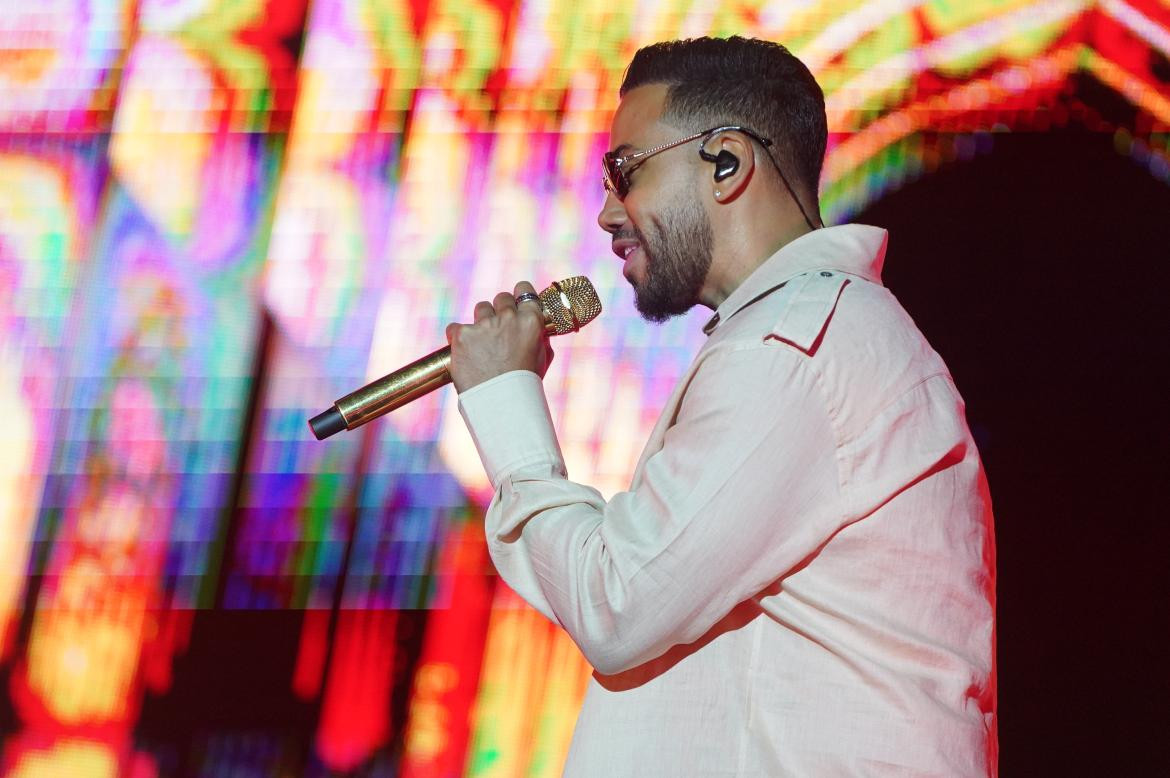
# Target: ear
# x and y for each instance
(732, 161)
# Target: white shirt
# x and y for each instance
(800, 579)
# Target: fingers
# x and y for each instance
(525, 288)
(536, 309)
(483, 310)
(504, 302)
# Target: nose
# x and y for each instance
(613, 214)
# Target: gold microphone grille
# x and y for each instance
(570, 304)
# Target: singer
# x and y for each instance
(800, 579)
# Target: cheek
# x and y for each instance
(645, 230)
(636, 216)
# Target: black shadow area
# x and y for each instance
(1039, 271)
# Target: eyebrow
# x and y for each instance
(621, 150)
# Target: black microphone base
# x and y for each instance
(328, 423)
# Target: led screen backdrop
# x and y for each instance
(217, 217)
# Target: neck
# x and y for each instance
(745, 249)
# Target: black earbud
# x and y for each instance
(726, 163)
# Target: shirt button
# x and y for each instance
(826, 273)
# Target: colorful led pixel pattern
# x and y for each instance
(218, 216)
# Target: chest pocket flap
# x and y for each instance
(812, 298)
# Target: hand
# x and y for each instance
(504, 337)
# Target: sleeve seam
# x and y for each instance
(506, 472)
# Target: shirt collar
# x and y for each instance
(857, 249)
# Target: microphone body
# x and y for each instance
(567, 306)
(384, 395)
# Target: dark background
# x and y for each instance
(1039, 270)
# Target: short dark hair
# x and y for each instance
(756, 83)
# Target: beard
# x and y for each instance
(678, 258)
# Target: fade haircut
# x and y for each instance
(756, 83)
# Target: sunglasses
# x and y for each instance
(616, 169)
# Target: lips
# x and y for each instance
(624, 247)
(634, 256)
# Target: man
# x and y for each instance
(800, 580)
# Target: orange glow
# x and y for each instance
(67, 757)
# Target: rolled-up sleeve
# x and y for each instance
(744, 486)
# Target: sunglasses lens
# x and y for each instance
(614, 180)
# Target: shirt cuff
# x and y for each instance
(509, 420)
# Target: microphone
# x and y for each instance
(567, 307)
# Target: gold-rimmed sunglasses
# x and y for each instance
(616, 169)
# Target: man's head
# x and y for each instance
(668, 226)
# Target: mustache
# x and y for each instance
(628, 233)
